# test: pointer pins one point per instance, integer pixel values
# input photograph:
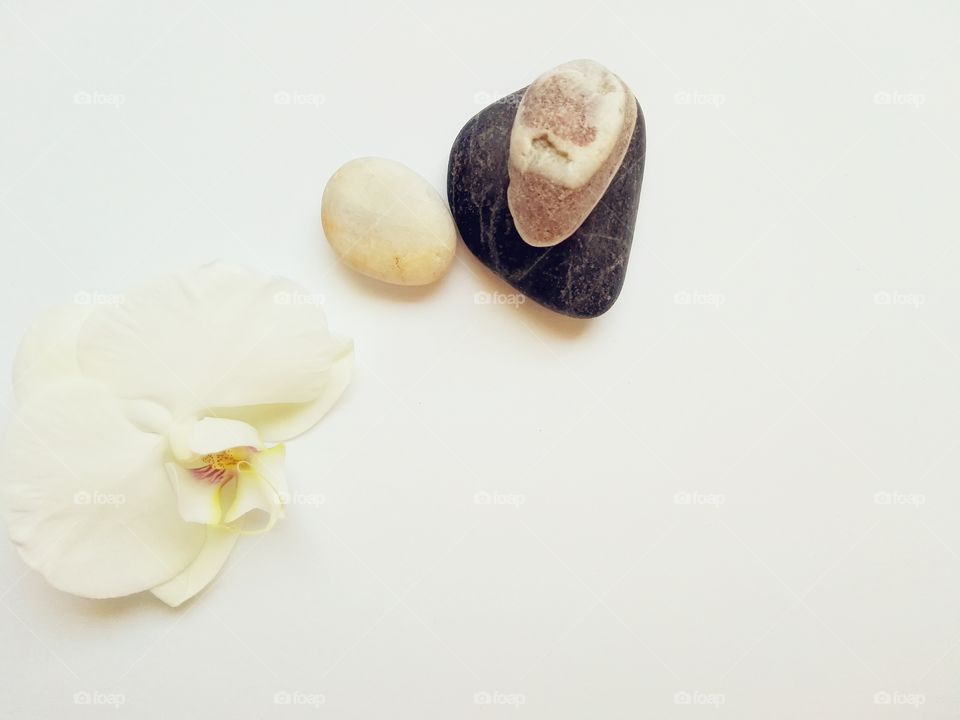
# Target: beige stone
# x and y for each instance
(571, 132)
(385, 221)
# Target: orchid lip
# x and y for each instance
(219, 468)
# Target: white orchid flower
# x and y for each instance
(139, 451)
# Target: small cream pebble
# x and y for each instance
(385, 221)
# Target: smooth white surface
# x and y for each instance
(786, 343)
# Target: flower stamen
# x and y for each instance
(220, 468)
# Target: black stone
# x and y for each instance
(583, 275)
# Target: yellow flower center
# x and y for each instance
(221, 467)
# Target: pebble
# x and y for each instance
(582, 276)
(568, 139)
(387, 222)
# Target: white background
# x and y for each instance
(686, 494)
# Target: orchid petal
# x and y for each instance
(48, 351)
(283, 422)
(218, 336)
(85, 496)
(270, 466)
(198, 501)
(148, 416)
(213, 434)
(201, 572)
